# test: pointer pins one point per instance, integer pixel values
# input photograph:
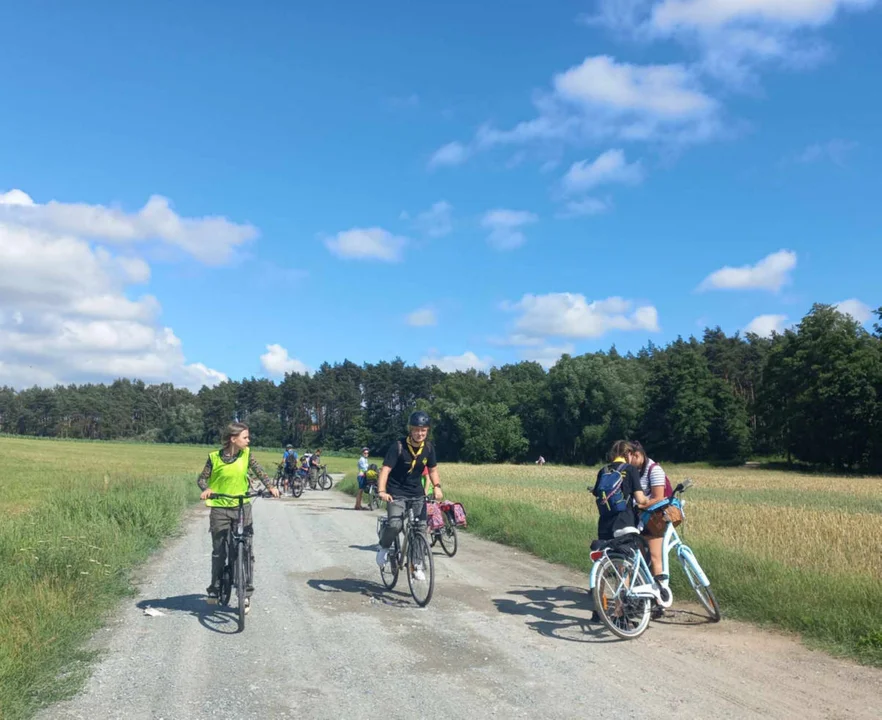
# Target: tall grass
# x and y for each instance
(798, 552)
(77, 518)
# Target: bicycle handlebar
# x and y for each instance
(256, 493)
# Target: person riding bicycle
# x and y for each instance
(399, 484)
(363, 464)
(226, 472)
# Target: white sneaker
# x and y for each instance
(418, 573)
(247, 605)
(382, 557)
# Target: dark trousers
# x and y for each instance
(395, 513)
(220, 522)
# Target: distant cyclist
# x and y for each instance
(399, 484)
(362, 472)
(289, 459)
(226, 472)
(315, 461)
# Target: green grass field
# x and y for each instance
(800, 552)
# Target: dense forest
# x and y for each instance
(812, 394)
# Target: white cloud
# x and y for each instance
(585, 206)
(548, 355)
(437, 221)
(704, 14)
(765, 325)
(571, 315)
(367, 244)
(451, 363)
(664, 92)
(212, 240)
(835, 151)
(602, 99)
(608, 167)
(505, 227)
(770, 273)
(453, 153)
(276, 362)
(858, 310)
(65, 313)
(424, 317)
(733, 37)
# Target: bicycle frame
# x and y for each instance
(648, 588)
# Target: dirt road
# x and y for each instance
(506, 635)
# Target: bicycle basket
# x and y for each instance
(655, 522)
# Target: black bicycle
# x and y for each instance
(410, 550)
(238, 565)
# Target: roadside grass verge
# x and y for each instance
(77, 518)
(801, 555)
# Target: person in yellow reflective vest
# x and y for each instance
(226, 472)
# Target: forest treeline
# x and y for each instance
(813, 394)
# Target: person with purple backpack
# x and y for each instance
(656, 486)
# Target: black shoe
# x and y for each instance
(658, 612)
(212, 592)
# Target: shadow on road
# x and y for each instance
(217, 618)
(372, 548)
(547, 605)
(357, 586)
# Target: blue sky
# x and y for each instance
(460, 183)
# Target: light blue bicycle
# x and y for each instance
(621, 581)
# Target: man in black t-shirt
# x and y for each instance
(400, 482)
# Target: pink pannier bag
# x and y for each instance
(434, 517)
(459, 516)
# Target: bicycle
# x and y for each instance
(372, 495)
(410, 543)
(238, 563)
(281, 478)
(446, 535)
(325, 481)
(622, 584)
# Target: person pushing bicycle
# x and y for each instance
(226, 472)
(400, 481)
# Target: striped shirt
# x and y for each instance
(654, 479)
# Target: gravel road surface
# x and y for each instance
(506, 635)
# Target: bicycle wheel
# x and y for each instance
(325, 481)
(448, 537)
(420, 558)
(240, 583)
(373, 501)
(389, 571)
(626, 616)
(705, 594)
